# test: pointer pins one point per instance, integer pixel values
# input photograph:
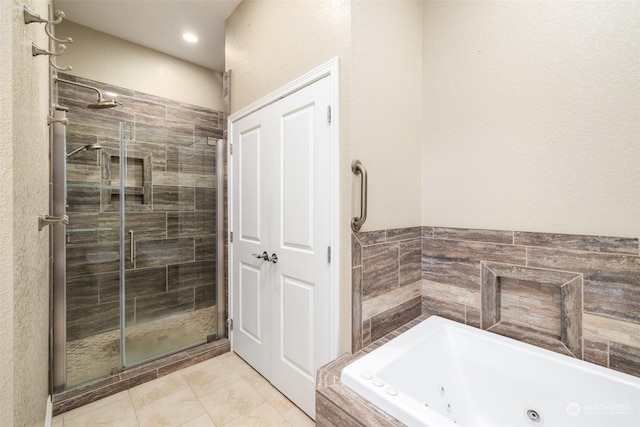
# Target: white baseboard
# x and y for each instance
(49, 415)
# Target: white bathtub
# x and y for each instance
(442, 373)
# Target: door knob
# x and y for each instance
(264, 255)
(274, 258)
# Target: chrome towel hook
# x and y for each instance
(30, 16)
(356, 222)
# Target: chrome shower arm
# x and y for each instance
(58, 79)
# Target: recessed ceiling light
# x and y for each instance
(191, 38)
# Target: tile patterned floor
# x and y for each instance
(220, 392)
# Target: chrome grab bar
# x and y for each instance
(356, 222)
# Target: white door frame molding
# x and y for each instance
(329, 69)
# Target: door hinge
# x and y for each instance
(231, 149)
(329, 254)
(328, 113)
(230, 324)
(231, 236)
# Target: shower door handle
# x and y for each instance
(132, 252)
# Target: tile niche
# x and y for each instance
(578, 295)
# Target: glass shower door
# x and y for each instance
(141, 249)
(168, 241)
(135, 270)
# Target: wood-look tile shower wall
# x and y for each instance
(174, 227)
(574, 294)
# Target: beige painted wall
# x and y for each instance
(532, 116)
(99, 56)
(267, 45)
(24, 176)
(386, 109)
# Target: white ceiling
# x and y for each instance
(159, 24)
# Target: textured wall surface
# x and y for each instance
(532, 116)
(386, 109)
(25, 174)
(99, 56)
(6, 210)
(269, 44)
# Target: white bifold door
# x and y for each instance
(281, 224)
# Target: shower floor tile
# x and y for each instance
(241, 397)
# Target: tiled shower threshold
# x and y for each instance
(95, 390)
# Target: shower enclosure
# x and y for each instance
(136, 270)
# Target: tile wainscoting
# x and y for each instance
(574, 294)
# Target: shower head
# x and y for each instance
(88, 147)
(101, 103)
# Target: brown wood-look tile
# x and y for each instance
(164, 304)
(538, 275)
(356, 252)
(620, 245)
(206, 199)
(152, 253)
(173, 198)
(613, 300)
(366, 332)
(596, 352)
(185, 224)
(379, 269)
(571, 312)
(448, 310)
(188, 160)
(205, 247)
(139, 282)
(86, 321)
(191, 274)
(406, 233)
(205, 296)
(490, 297)
(410, 261)
(367, 238)
(597, 267)
(427, 231)
(472, 316)
(145, 225)
(185, 362)
(162, 131)
(329, 414)
(386, 322)
(83, 291)
(356, 311)
(366, 414)
(476, 235)
(458, 262)
(192, 114)
(531, 336)
(624, 358)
